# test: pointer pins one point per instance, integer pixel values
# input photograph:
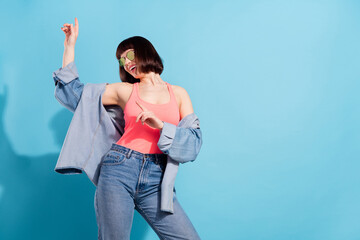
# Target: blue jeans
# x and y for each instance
(132, 180)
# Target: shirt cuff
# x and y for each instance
(66, 74)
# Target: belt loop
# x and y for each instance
(129, 153)
(157, 159)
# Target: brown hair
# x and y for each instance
(146, 57)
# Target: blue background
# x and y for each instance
(274, 83)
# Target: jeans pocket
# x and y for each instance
(113, 158)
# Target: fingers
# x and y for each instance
(67, 32)
(66, 27)
(150, 119)
(76, 24)
(141, 106)
(70, 26)
(142, 116)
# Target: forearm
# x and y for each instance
(69, 55)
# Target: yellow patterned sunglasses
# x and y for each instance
(129, 55)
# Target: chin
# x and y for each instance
(134, 75)
(137, 75)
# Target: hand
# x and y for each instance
(71, 33)
(149, 118)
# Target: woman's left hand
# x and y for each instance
(149, 118)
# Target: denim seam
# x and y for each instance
(140, 174)
(74, 93)
(149, 221)
(77, 96)
(72, 90)
(116, 163)
(98, 216)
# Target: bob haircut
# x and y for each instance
(146, 58)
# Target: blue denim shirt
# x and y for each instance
(95, 127)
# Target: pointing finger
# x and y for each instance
(76, 24)
(139, 116)
(141, 106)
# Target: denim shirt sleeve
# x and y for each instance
(181, 144)
(68, 88)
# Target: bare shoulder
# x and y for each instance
(180, 91)
(117, 93)
(119, 85)
(183, 99)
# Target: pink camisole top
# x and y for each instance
(143, 138)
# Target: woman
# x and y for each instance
(132, 170)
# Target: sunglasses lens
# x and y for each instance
(130, 55)
(122, 62)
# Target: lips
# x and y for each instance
(132, 67)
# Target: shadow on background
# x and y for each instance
(38, 203)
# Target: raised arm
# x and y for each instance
(68, 87)
(71, 34)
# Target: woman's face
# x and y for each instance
(130, 65)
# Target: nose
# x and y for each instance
(127, 62)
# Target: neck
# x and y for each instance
(151, 78)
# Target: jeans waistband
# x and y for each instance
(156, 157)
